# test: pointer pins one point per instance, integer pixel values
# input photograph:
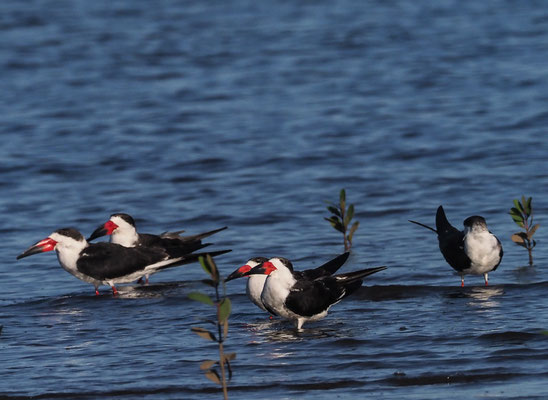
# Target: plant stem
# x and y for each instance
(223, 377)
(530, 250)
(221, 352)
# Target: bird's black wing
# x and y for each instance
(501, 253)
(308, 298)
(191, 238)
(108, 261)
(327, 269)
(175, 247)
(451, 242)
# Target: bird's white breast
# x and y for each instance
(254, 288)
(68, 255)
(275, 291)
(483, 250)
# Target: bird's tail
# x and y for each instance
(423, 225)
(353, 280)
(350, 277)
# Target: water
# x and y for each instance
(253, 115)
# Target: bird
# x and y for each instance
(303, 297)
(255, 282)
(475, 250)
(123, 231)
(102, 263)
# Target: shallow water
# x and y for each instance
(253, 116)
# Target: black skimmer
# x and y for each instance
(475, 250)
(255, 282)
(303, 297)
(122, 230)
(102, 263)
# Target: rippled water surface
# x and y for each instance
(253, 115)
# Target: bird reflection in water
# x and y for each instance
(282, 331)
(484, 297)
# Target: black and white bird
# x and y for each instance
(122, 230)
(303, 297)
(255, 282)
(102, 263)
(475, 250)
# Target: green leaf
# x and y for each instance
(203, 298)
(332, 220)
(534, 244)
(209, 266)
(213, 375)
(338, 226)
(335, 223)
(204, 264)
(349, 215)
(334, 210)
(518, 205)
(529, 206)
(342, 196)
(517, 218)
(532, 231)
(208, 364)
(526, 205)
(352, 230)
(204, 333)
(224, 309)
(515, 212)
(214, 269)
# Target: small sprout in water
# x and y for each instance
(341, 218)
(223, 309)
(522, 214)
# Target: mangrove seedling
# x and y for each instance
(522, 214)
(222, 307)
(341, 218)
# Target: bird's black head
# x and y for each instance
(259, 260)
(474, 220)
(71, 233)
(286, 263)
(49, 243)
(126, 217)
(243, 270)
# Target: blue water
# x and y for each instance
(253, 115)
